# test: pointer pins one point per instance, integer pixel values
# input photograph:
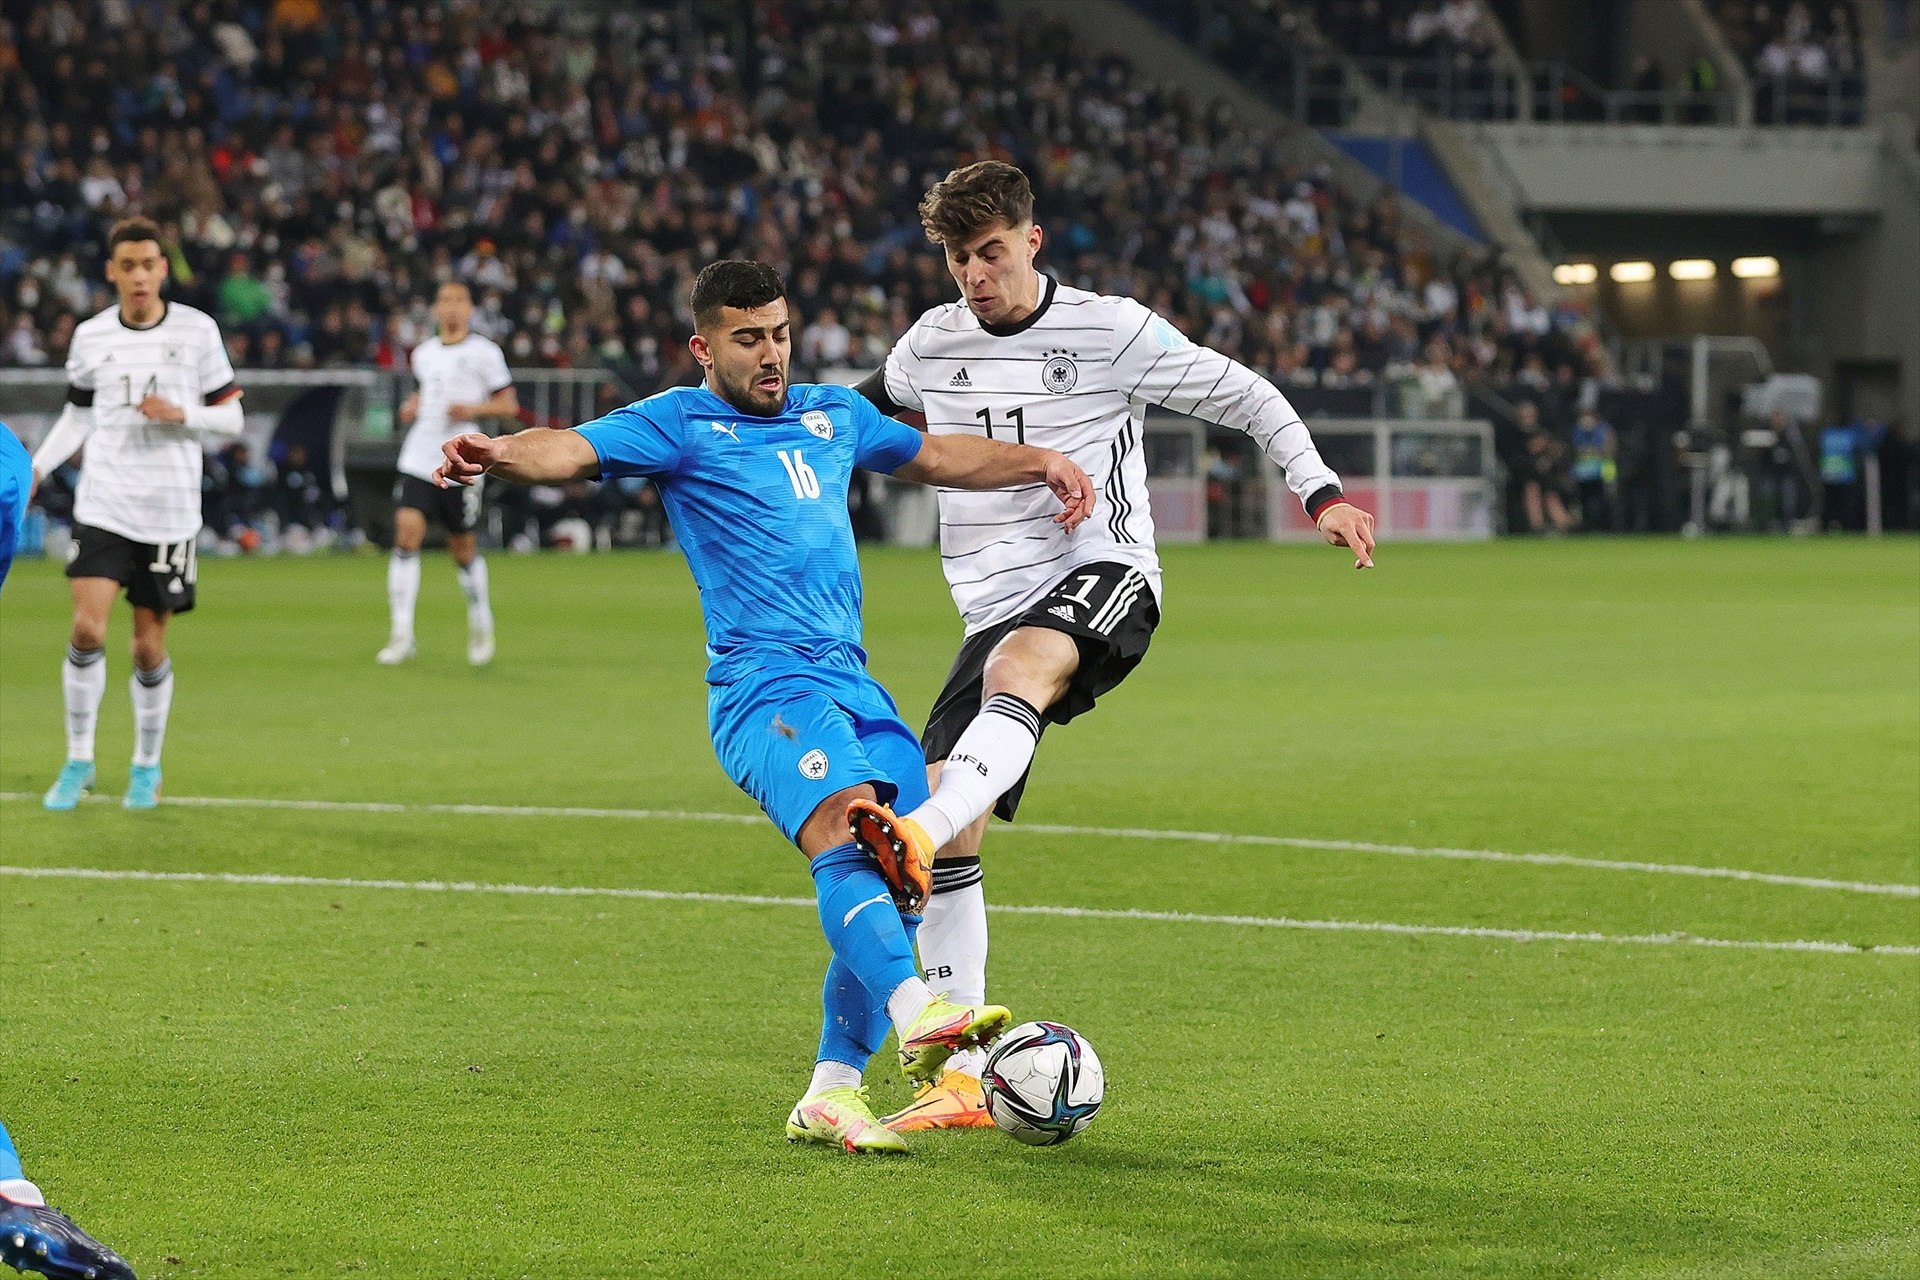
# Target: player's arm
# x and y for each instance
(75, 422)
(894, 388)
(1155, 364)
(971, 462)
(536, 456)
(409, 409)
(222, 416)
(504, 403)
(69, 432)
(874, 388)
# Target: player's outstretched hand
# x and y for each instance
(467, 458)
(1345, 525)
(1073, 487)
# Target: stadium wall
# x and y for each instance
(1863, 303)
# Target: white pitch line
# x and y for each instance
(1081, 913)
(1047, 829)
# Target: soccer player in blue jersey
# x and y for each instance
(33, 1236)
(16, 486)
(754, 474)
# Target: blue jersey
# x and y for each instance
(759, 505)
(16, 481)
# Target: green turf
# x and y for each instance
(245, 1080)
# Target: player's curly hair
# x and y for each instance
(733, 282)
(132, 230)
(972, 200)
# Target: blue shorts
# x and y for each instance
(791, 737)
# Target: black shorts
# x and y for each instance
(1110, 612)
(157, 576)
(456, 507)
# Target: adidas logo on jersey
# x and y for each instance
(1063, 611)
(961, 379)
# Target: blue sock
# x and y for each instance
(854, 1021)
(9, 1158)
(872, 953)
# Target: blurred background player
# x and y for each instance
(1054, 621)
(33, 1235)
(144, 378)
(754, 473)
(461, 379)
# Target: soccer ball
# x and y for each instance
(1043, 1083)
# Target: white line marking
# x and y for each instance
(1081, 913)
(1046, 829)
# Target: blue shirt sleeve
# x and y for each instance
(643, 439)
(881, 443)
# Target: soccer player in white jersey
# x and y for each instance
(144, 379)
(1053, 621)
(460, 379)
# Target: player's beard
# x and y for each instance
(746, 396)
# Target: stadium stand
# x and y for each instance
(576, 177)
(577, 163)
(1806, 60)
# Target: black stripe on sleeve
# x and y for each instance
(221, 395)
(1322, 498)
(874, 388)
(505, 386)
(81, 397)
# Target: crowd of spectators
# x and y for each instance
(314, 182)
(1805, 59)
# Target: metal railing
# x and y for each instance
(548, 398)
(1423, 480)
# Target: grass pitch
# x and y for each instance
(321, 1076)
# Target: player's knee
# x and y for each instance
(826, 826)
(1036, 674)
(88, 634)
(149, 652)
(966, 844)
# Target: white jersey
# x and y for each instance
(465, 372)
(141, 478)
(1077, 375)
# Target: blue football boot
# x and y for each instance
(75, 780)
(143, 787)
(36, 1238)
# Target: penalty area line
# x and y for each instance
(1054, 829)
(1079, 913)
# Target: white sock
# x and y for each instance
(152, 698)
(831, 1075)
(908, 1001)
(473, 581)
(20, 1191)
(984, 764)
(953, 943)
(403, 591)
(84, 681)
(953, 933)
